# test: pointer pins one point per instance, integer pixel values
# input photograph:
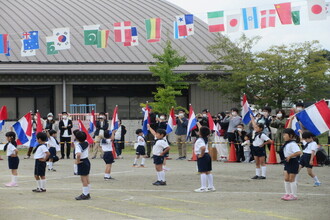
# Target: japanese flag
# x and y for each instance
(233, 23)
(62, 38)
(316, 10)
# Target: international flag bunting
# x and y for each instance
(115, 120)
(192, 121)
(92, 122)
(27, 53)
(250, 18)
(31, 40)
(82, 128)
(51, 46)
(216, 21)
(145, 120)
(246, 111)
(176, 31)
(90, 34)
(62, 38)
(212, 124)
(327, 8)
(295, 13)
(316, 118)
(135, 38)
(171, 121)
(4, 43)
(233, 23)
(23, 129)
(102, 38)
(3, 116)
(185, 24)
(9, 49)
(123, 31)
(284, 12)
(316, 10)
(153, 29)
(267, 18)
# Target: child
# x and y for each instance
(41, 155)
(159, 149)
(291, 151)
(204, 162)
(53, 147)
(84, 166)
(259, 142)
(13, 159)
(106, 145)
(74, 143)
(309, 151)
(246, 147)
(140, 150)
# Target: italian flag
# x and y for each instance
(216, 21)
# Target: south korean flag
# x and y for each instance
(62, 38)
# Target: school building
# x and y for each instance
(116, 75)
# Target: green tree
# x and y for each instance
(280, 73)
(171, 84)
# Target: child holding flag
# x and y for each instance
(13, 160)
(106, 145)
(140, 150)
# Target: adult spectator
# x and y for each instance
(50, 123)
(102, 126)
(234, 121)
(120, 140)
(65, 126)
(279, 122)
(181, 134)
(239, 139)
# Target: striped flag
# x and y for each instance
(4, 43)
(246, 111)
(82, 128)
(3, 116)
(102, 38)
(216, 21)
(250, 18)
(153, 29)
(23, 129)
(123, 31)
(92, 122)
(171, 121)
(115, 120)
(192, 121)
(145, 120)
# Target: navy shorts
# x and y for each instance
(158, 159)
(84, 167)
(304, 160)
(140, 150)
(52, 151)
(108, 157)
(258, 151)
(292, 166)
(13, 162)
(39, 168)
(204, 163)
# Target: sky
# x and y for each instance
(281, 34)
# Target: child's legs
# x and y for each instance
(159, 167)
(14, 172)
(84, 180)
(310, 172)
(262, 161)
(108, 168)
(291, 177)
(43, 177)
(36, 177)
(164, 163)
(286, 176)
(256, 159)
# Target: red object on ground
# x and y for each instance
(272, 154)
(232, 153)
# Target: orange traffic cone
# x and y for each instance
(272, 155)
(114, 154)
(232, 153)
(315, 164)
(194, 157)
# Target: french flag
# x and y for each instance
(115, 121)
(92, 122)
(3, 116)
(295, 126)
(145, 120)
(192, 122)
(171, 122)
(211, 124)
(246, 111)
(316, 118)
(23, 129)
(89, 139)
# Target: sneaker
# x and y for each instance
(83, 197)
(142, 166)
(38, 190)
(27, 157)
(211, 189)
(285, 196)
(261, 177)
(200, 190)
(290, 198)
(179, 158)
(162, 183)
(52, 170)
(317, 184)
(183, 158)
(255, 177)
(93, 157)
(11, 184)
(75, 173)
(108, 178)
(157, 183)
(135, 165)
(43, 190)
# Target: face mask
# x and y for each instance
(264, 113)
(239, 129)
(64, 117)
(50, 118)
(234, 113)
(162, 117)
(299, 109)
(181, 114)
(279, 115)
(204, 115)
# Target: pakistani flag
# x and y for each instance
(295, 12)
(51, 46)
(90, 34)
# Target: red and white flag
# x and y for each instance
(211, 124)
(316, 10)
(123, 31)
(233, 23)
(268, 18)
(284, 12)
(82, 127)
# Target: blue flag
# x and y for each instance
(250, 18)
(31, 40)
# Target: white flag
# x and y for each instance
(27, 53)
(316, 10)
(233, 23)
(62, 38)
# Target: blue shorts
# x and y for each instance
(140, 150)
(39, 168)
(108, 157)
(258, 151)
(52, 151)
(304, 160)
(84, 167)
(13, 162)
(204, 163)
(292, 166)
(158, 159)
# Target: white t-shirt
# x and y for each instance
(78, 149)
(199, 144)
(41, 152)
(65, 133)
(118, 133)
(260, 139)
(10, 149)
(106, 146)
(246, 145)
(141, 141)
(291, 148)
(159, 146)
(52, 143)
(312, 146)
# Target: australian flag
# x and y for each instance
(31, 40)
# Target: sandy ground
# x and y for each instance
(132, 196)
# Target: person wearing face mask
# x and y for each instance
(279, 122)
(181, 134)
(65, 126)
(50, 123)
(102, 126)
(120, 140)
(239, 139)
(204, 121)
(234, 121)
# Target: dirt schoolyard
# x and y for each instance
(132, 196)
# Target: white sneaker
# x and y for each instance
(200, 190)
(211, 189)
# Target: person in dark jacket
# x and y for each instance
(102, 126)
(120, 140)
(239, 139)
(65, 126)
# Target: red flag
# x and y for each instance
(287, 121)
(123, 31)
(39, 123)
(3, 113)
(89, 139)
(268, 18)
(284, 12)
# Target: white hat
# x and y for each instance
(50, 114)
